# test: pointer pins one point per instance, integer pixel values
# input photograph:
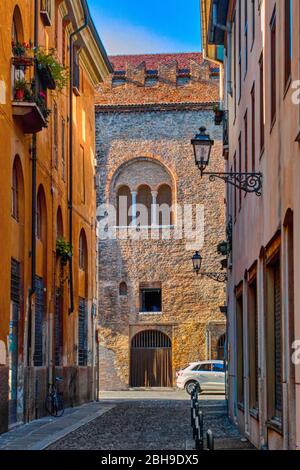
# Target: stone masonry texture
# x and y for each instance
(151, 144)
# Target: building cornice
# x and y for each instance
(94, 57)
(154, 107)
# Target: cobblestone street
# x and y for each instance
(160, 422)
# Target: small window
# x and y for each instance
(123, 289)
(218, 367)
(151, 300)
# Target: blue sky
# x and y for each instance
(139, 26)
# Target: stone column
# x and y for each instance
(154, 209)
(133, 207)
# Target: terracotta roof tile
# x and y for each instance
(152, 61)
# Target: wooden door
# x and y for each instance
(151, 360)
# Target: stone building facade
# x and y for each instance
(155, 314)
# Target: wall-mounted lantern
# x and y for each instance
(248, 182)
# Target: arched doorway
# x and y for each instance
(151, 360)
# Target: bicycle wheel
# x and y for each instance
(59, 406)
(49, 405)
(54, 405)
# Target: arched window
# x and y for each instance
(82, 251)
(17, 26)
(123, 289)
(59, 224)
(144, 202)
(164, 201)
(123, 206)
(15, 194)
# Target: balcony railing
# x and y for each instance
(29, 108)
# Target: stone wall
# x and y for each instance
(161, 134)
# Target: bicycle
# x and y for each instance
(54, 403)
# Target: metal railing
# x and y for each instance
(197, 423)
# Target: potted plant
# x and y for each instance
(223, 248)
(218, 115)
(52, 74)
(64, 250)
(20, 88)
(20, 53)
(41, 102)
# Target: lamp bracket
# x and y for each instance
(248, 182)
(218, 277)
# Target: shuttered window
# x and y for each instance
(38, 323)
(273, 66)
(15, 282)
(277, 341)
(58, 328)
(55, 135)
(253, 343)
(240, 350)
(82, 333)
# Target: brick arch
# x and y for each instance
(133, 182)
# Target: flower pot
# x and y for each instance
(46, 77)
(19, 94)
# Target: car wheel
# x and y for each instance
(189, 386)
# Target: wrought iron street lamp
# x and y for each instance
(197, 263)
(248, 182)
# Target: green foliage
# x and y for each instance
(59, 73)
(64, 250)
(20, 84)
(223, 248)
(19, 49)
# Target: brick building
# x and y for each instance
(155, 314)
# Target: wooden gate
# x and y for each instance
(151, 360)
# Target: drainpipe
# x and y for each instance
(72, 36)
(33, 197)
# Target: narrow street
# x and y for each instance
(134, 420)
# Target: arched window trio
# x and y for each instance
(144, 206)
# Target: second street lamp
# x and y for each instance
(197, 263)
(248, 182)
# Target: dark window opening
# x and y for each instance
(123, 289)
(151, 300)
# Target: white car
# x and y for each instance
(210, 375)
